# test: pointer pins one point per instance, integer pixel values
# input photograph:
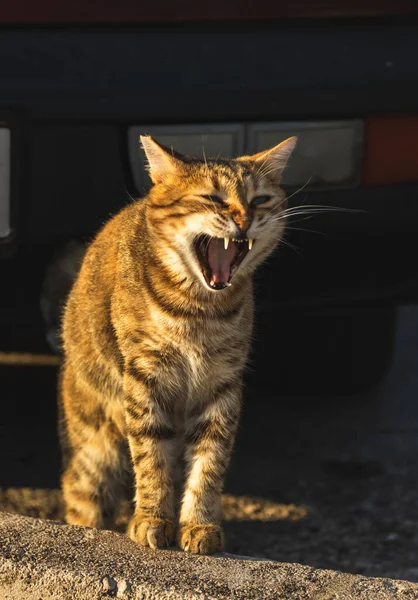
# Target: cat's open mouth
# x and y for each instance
(219, 258)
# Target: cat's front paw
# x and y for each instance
(201, 539)
(154, 533)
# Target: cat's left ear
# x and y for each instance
(274, 160)
(162, 161)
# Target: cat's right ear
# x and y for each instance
(162, 161)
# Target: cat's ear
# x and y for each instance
(274, 160)
(162, 161)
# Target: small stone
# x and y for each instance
(109, 584)
(124, 588)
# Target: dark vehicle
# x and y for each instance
(79, 84)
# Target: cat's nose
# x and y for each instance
(242, 223)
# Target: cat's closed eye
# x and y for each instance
(216, 199)
(260, 200)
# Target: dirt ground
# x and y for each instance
(328, 482)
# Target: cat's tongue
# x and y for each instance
(220, 260)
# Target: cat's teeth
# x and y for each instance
(226, 243)
(250, 243)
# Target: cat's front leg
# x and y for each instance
(153, 444)
(210, 436)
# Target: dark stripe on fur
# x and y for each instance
(156, 432)
(139, 374)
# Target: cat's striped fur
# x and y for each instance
(154, 356)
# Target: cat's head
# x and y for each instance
(217, 219)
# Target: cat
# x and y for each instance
(156, 333)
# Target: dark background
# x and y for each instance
(329, 430)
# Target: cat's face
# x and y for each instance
(216, 220)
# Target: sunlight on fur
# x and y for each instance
(47, 504)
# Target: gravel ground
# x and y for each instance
(327, 482)
(43, 559)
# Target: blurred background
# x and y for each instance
(325, 470)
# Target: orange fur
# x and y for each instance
(154, 356)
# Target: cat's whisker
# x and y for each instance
(290, 228)
(277, 207)
(300, 189)
(284, 215)
(291, 196)
(217, 158)
(291, 246)
(326, 207)
(315, 210)
(129, 195)
(204, 157)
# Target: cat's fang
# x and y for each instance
(250, 243)
(226, 243)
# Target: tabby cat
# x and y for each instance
(156, 333)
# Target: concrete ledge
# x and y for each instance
(45, 560)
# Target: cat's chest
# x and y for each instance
(205, 351)
(209, 355)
